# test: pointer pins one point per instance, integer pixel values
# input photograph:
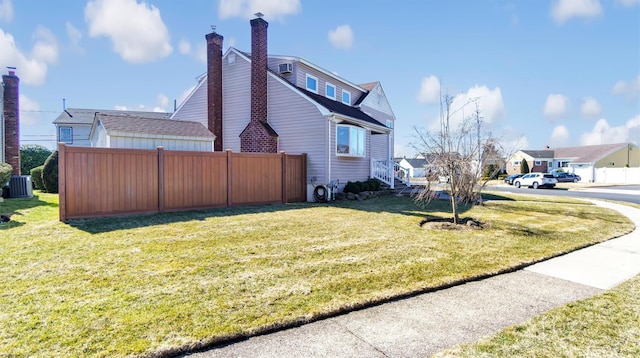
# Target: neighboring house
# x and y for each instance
(264, 103)
(73, 125)
(415, 167)
(113, 130)
(583, 161)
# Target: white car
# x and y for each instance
(536, 180)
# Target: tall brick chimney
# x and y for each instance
(214, 88)
(12, 120)
(259, 136)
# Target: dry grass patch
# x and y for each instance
(606, 325)
(159, 283)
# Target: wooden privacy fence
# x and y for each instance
(107, 181)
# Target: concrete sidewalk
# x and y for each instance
(428, 323)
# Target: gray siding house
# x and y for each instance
(255, 102)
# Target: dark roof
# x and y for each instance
(417, 162)
(125, 123)
(86, 115)
(340, 108)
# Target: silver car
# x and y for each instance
(536, 180)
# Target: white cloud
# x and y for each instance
(513, 141)
(28, 111)
(74, 35)
(462, 106)
(185, 47)
(629, 90)
(136, 29)
(32, 69)
(163, 101)
(272, 9)
(603, 133)
(429, 90)
(627, 3)
(556, 106)
(559, 137)
(564, 10)
(341, 37)
(46, 46)
(6, 10)
(590, 108)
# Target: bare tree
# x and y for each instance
(459, 154)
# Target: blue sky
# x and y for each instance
(557, 72)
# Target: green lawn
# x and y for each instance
(606, 325)
(163, 282)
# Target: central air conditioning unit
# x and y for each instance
(285, 68)
(20, 186)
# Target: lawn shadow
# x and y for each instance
(12, 207)
(392, 204)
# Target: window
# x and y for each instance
(538, 163)
(346, 97)
(330, 91)
(389, 124)
(516, 162)
(350, 140)
(312, 83)
(66, 135)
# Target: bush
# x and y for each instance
(524, 167)
(5, 174)
(36, 177)
(357, 187)
(50, 173)
(352, 187)
(31, 156)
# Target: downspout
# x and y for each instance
(390, 161)
(330, 118)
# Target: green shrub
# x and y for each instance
(50, 173)
(31, 156)
(357, 187)
(524, 167)
(352, 187)
(36, 177)
(374, 184)
(5, 174)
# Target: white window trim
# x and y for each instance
(364, 143)
(349, 93)
(516, 162)
(335, 90)
(537, 163)
(306, 83)
(70, 135)
(389, 124)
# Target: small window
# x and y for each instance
(312, 83)
(330, 91)
(66, 135)
(389, 124)
(350, 141)
(516, 162)
(346, 97)
(538, 163)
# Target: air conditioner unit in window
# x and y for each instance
(20, 186)
(285, 68)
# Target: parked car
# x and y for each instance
(536, 180)
(567, 177)
(509, 180)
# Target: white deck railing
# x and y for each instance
(386, 171)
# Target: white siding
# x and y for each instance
(377, 100)
(100, 138)
(236, 101)
(379, 148)
(301, 81)
(80, 133)
(195, 107)
(153, 143)
(300, 126)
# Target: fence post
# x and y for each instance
(62, 192)
(229, 175)
(283, 157)
(161, 179)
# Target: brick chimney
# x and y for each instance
(259, 136)
(12, 120)
(214, 88)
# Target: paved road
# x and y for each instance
(428, 323)
(626, 193)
